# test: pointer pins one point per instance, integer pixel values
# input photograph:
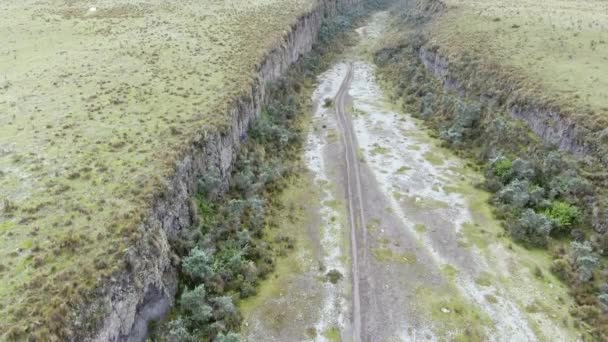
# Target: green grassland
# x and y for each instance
(96, 101)
(560, 46)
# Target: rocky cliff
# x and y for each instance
(549, 125)
(121, 309)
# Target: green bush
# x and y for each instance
(523, 169)
(584, 260)
(502, 168)
(531, 228)
(198, 265)
(570, 185)
(519, 194)
(210, 183)
(466, 118)
(563, 215)
(193, 304)
(225, 311)
(334, 276)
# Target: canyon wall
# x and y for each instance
(144, 291)
(553, 128)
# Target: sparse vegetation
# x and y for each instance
(334, 276)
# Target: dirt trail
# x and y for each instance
(353, 194)
(422, 256)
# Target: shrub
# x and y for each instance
(603, 296)
(467, 117)
(563, 215)
(532, 228)
(229, 337)
(516, 193)
(603, 244)
(523, 169)
(334, 276)
(553, 164)
(502, 168)
(585, 312)
(569, 185)
(584, 259)
(192, 303)
(177, 332)
(427, 106)
(561, 269)
(257, 213)
(209, 184)
(198, 265)
(224, 310)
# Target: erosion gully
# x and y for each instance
(398, 217)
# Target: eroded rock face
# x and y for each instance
(547, 124)
(122, 308)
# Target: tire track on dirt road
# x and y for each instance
(354, 196)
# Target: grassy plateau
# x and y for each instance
(559, 45)
(97, 99)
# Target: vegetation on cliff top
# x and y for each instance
(97, 101)
(562, 44)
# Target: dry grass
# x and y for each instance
(95, 104)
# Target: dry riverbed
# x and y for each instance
(394, 241)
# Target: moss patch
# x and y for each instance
(385, 254)
(424, 203)
(332, 334)
(453, 318)
(420, 228)
(476, 235)
(434, 158)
